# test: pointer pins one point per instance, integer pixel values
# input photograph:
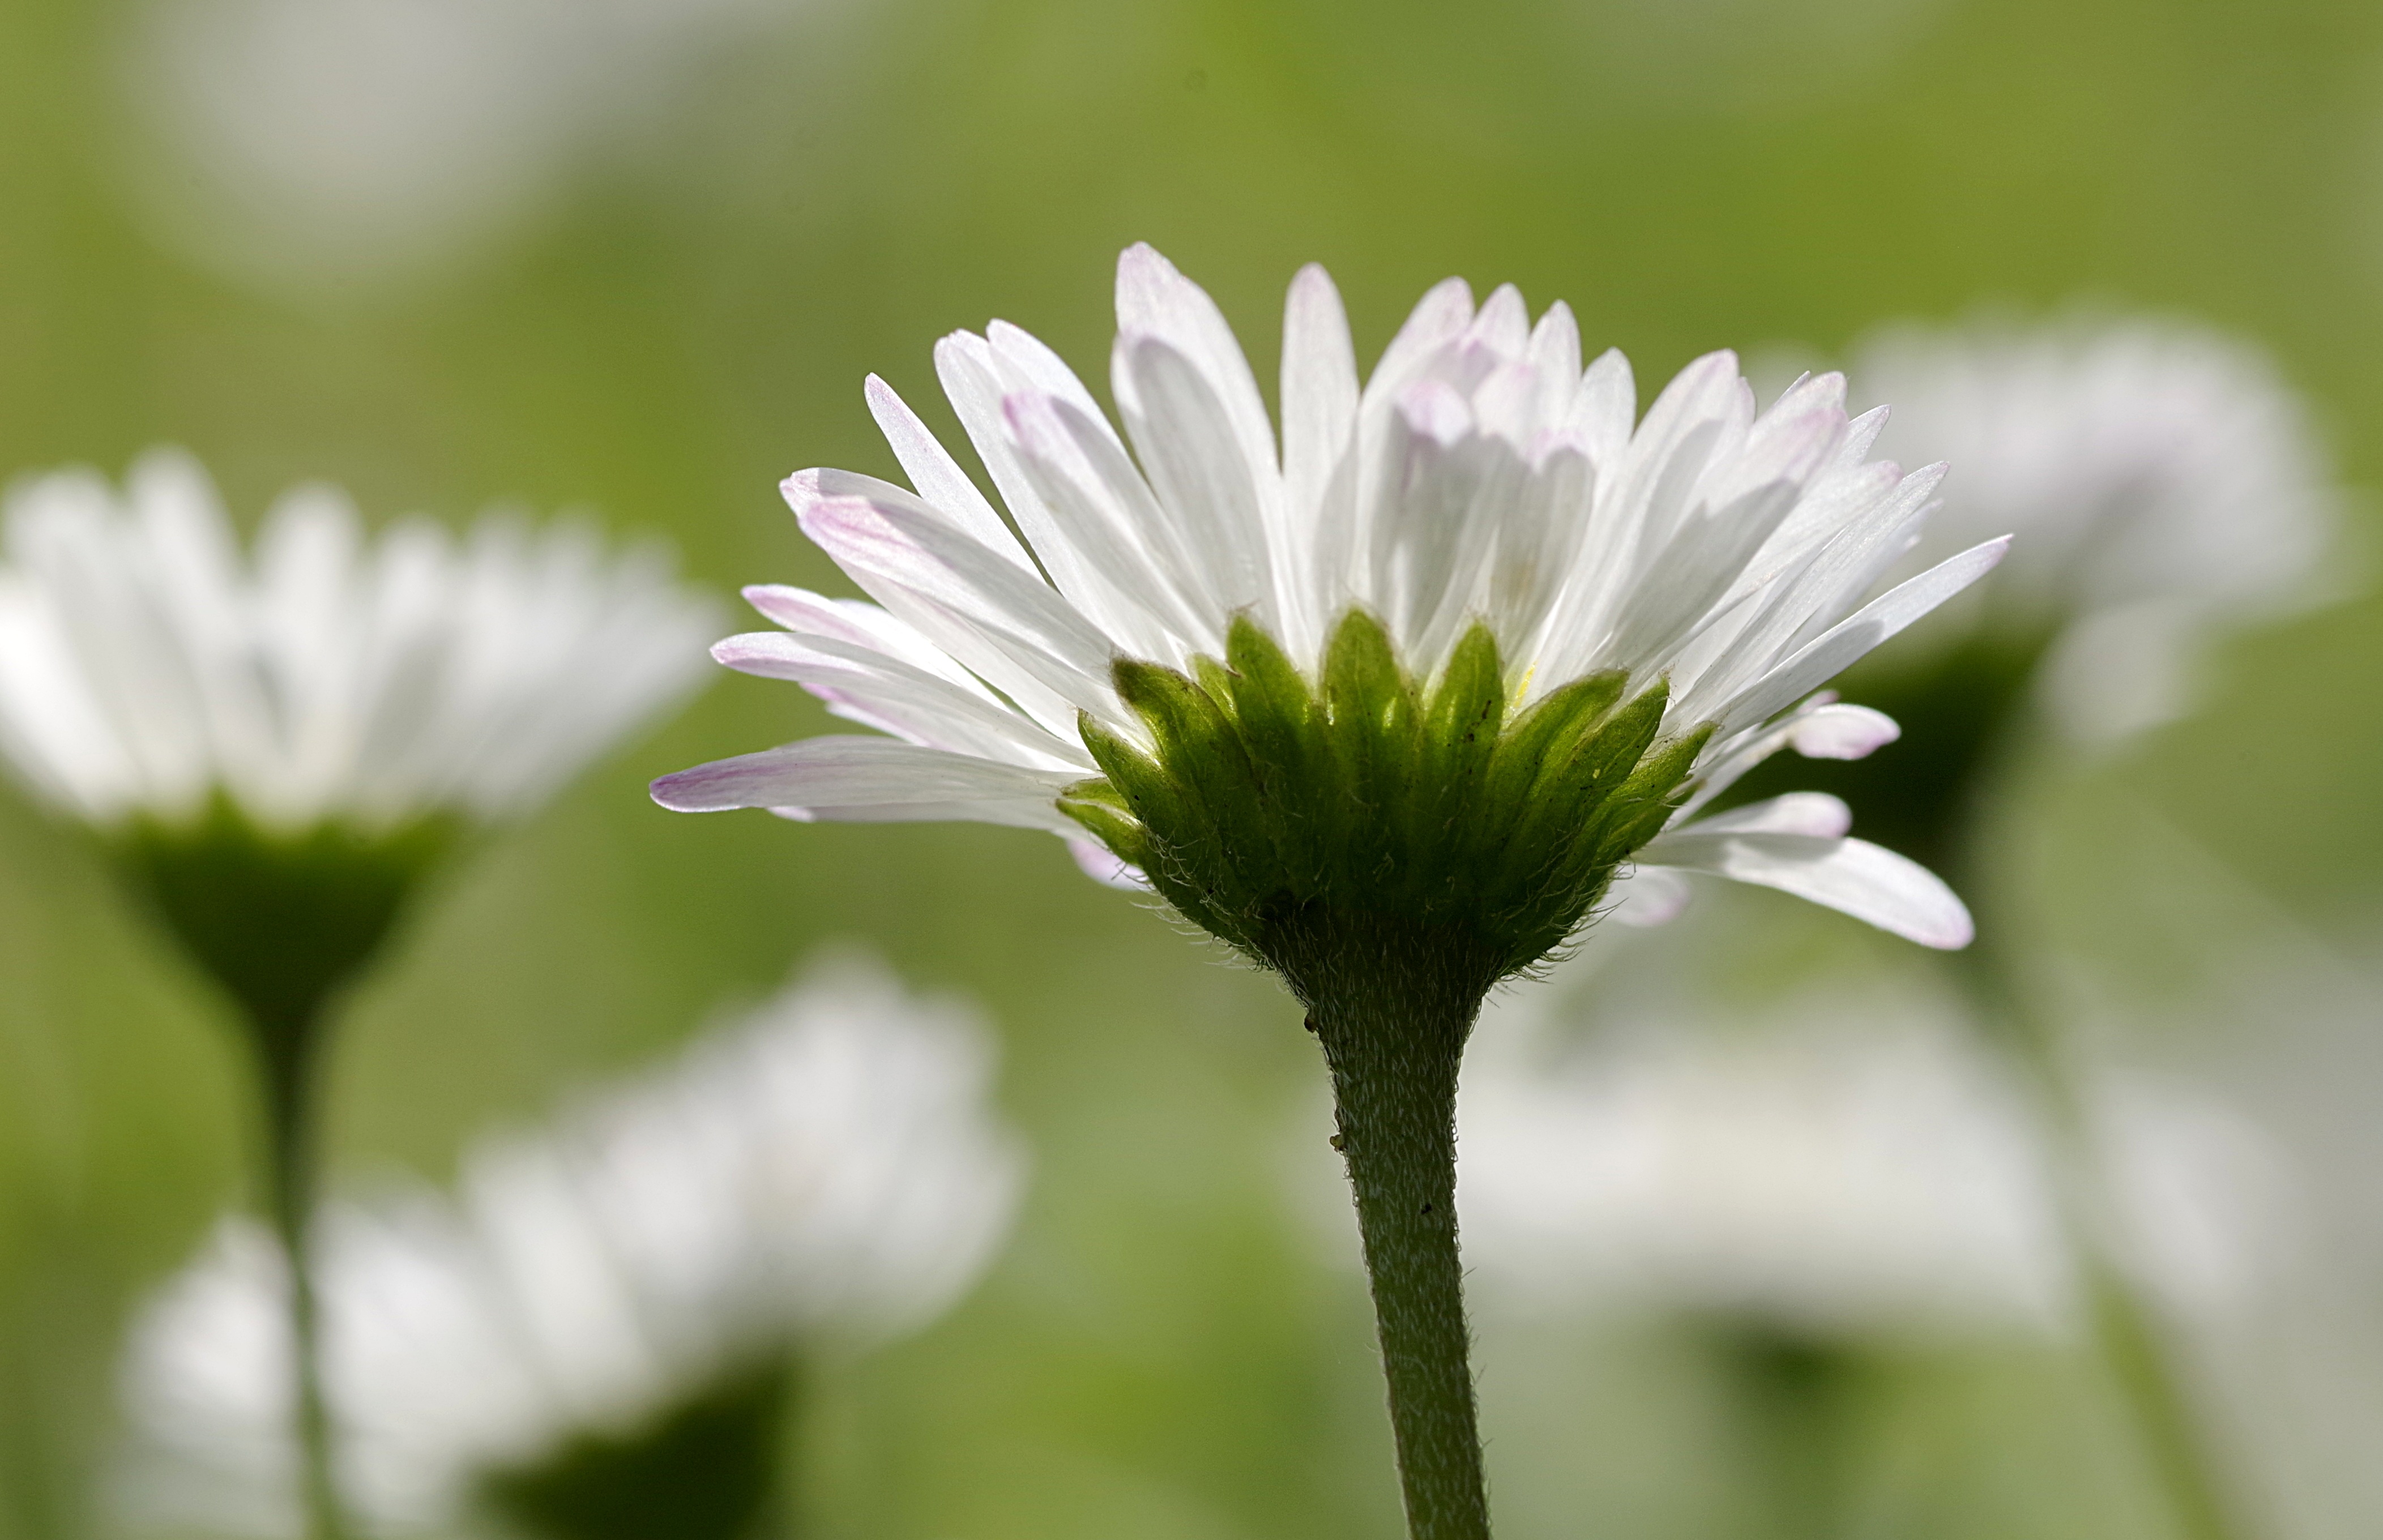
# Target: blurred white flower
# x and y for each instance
(370, 140)
(146, 667)
(2162, 479)
(826, 1175)
(1851, 1163)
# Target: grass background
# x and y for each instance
(688, 316)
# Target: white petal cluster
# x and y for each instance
(828, 1174)
(1481, 473)
(2163, 479)
(146, 665)
(1847, 1163)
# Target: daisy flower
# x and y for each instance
(148, 671)
(1852, 1166)
(1844, 1178)
(275, 750)
(2166, 488)
(621, 1302)
(2166, 484)
(1385, 702)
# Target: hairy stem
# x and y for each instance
(1393, 1053)
(286, 1059)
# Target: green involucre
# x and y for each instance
(281, 921)
(1275, 812)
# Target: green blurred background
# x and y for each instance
(676, 308)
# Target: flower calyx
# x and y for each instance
(280, 921)
(1278, 814)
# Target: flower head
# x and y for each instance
(1848, 1164)
(1473, 638)
(146, 670)
(277, 748)
(827, 1174)
(2164, 481)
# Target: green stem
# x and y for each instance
(2139, 1349)
(1393, 1053)
(286, 1063)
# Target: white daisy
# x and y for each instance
(2165, 482)
(1848, 1164)
(1709, 562)
(827, 1174)
(146, 669)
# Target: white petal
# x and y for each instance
(899, 547)
(972, 382)
(865, 685)
(1555, 343)
(1831, 653)
(874, 779)
(1504, 324)
(1138, 586)
(859, 621)
(1839, 732)
(1872, 883)
(1609, 406)
(1814, 813)
(55, 732)
(1101, 864)
(937, 476)
(1156, 302)
(1319, 424)
(1221, 501)
(1648, 896)
(1438, 317)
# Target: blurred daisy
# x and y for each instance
(1850, 1166)
(2166, 484)
(633, 1287)
(147, 669)
(1482, 514)
(1816, 1189)
(277, 751)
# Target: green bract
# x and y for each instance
(281, 921)
(1276, 812)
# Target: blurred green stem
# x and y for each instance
(1393, 1052)
(2139, 1349)
(1798, 1394)
(286, 1061)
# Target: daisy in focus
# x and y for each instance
(616, 1309)
(1386, 703)
(1483, 547)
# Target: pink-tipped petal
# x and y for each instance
(1854, 877)
(1814, 813)
(1841, 733)
(1648, 897)
(1102, 865)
